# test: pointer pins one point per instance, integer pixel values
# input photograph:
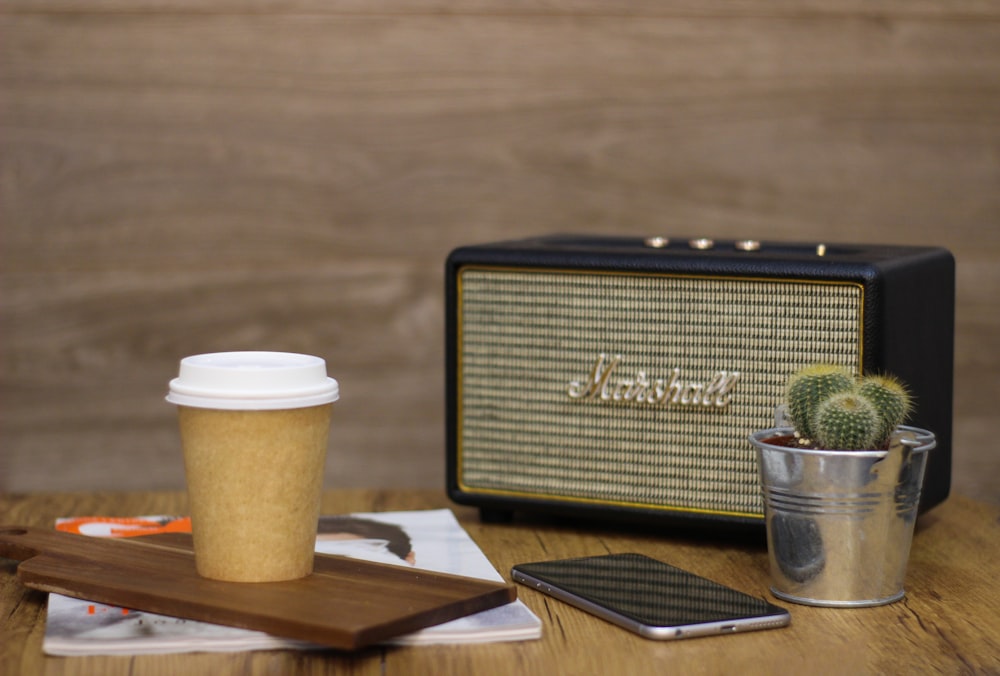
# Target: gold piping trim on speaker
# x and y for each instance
(475, 267)
(609, 503)
(460, 394)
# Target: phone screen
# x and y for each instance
(650, 597)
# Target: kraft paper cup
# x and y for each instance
(254, 428)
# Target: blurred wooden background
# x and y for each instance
(180, 177)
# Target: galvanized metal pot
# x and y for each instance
(840, 523)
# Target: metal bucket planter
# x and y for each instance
(840, 523)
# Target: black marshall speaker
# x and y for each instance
(620, 377)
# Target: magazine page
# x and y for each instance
(428, 539)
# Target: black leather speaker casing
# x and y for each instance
(903, 324)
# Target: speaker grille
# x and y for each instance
(525, 335)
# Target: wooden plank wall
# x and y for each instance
(180, 176)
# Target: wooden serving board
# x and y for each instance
(345, 603)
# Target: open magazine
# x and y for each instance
(428, 539)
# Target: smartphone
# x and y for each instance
(649, 597)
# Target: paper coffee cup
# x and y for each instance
(254, 428)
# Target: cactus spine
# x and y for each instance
(847, 421)
(890, 398)
(834, 411)
(810, 387)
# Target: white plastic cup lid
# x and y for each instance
(252, 381)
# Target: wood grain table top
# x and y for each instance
(948, 622)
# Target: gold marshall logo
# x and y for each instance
(672, 391)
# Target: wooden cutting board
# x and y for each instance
(345, 603)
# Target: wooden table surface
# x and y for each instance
(948, 623)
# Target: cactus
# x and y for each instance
(832, 410)
(847, 421)
(809, 387)
(890, 398)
